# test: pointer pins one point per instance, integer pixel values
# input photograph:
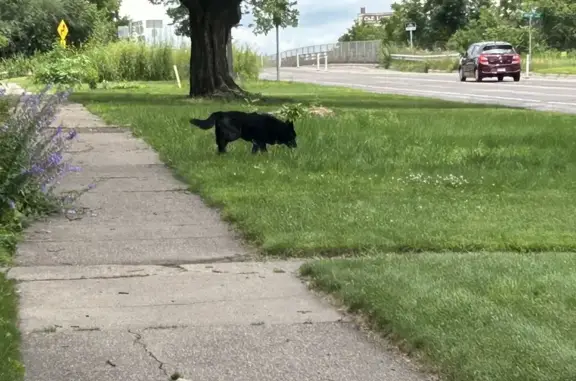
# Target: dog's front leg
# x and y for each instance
(255, 147)
(221, 143)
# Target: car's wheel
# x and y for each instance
(477, 75)
(500, 78)
(516, 77)
(461, 74)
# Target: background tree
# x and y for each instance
(30, 25)
(274, 14)
(362, 31)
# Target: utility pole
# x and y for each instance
(277, 52)
(531, 15)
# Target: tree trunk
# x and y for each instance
(210, 26)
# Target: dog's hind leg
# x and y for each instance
(255, 147)
(221, 140)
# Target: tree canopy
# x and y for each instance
(453, 24)
(29, 26)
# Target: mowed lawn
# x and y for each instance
(10, 366)
(396, 174)
(472, 316)
(389, 173)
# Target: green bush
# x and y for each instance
(18, 65)
(246, 62)
(31, 158)
(410, 66)
(65, 67)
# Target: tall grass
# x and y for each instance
(134, 61)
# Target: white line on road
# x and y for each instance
(502, 90)
(456, 95)
(403, 78)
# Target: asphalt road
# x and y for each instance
(540, 93)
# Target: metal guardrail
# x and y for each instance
(408, 57)
(367, 52)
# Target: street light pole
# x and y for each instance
(277, 52)
(529, 58)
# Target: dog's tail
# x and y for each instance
(205, 124)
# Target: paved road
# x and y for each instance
(549, 94)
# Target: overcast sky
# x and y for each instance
(319, 24)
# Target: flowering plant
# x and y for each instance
(31, 155)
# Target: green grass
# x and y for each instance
(570, 70)
(553, 63)
(391, 173)
(10, 367)
(474, 317)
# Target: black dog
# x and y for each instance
(260, 129)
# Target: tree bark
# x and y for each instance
(211, 22)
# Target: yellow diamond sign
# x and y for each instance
(62, 30)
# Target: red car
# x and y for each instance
(490, 59)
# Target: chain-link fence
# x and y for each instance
(341, 52)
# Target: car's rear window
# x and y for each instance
(498, 49)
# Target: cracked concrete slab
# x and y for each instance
(88, 356)
(45, 273)
(107, 141)
(84, 181)
(74, 115)
(135, 157)
(49, 232)
(133, 252)
(318, 351)
(240, 293)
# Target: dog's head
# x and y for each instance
(289, 135)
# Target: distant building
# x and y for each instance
(372, 18)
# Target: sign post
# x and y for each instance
(62, 32)
(411, 27)
(530, 16)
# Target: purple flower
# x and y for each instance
(55, 159)
(38, 153)
(71, 134)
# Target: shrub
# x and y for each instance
(17, 66)
(66, 67)
(246, 63)
(31, 157)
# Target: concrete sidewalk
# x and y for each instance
(141, 281)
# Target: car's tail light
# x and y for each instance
(516, 59)
(483, 59)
